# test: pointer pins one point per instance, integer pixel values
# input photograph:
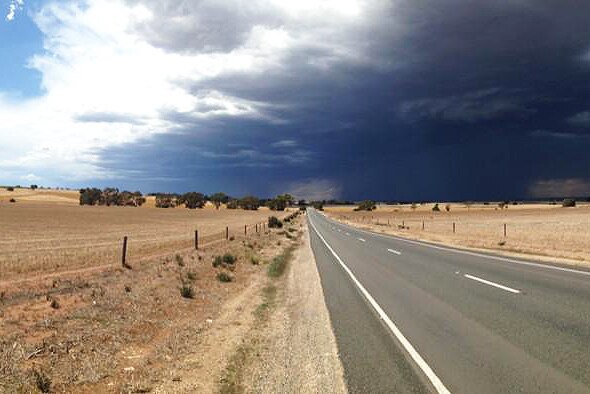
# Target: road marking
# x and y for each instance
(490, 283)
(339, 230)
(394, 251)
(348, 234)
(362, 240)
(505, 259)
(434, 380)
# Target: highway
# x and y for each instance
(414, 317)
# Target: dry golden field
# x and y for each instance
(542, 231)
(47, 231)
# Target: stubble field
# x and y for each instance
(540, 231)
(45, 233)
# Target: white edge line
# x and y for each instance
(434, 380)
(505, 259)
(494, 284)
(394, 251)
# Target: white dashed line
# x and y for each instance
(348, 234)
(489, 283)
(394, 251)
(362, 240)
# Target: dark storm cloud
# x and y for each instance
(422, 99)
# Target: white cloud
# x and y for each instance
(31, 178)
(13, 7)
(108, 82)
(284, 144)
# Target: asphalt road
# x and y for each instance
(413, 317)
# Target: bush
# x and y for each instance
(274, 222)
(448, 207)
(193, 200)
(179, 260)
(187, 291)
(568, 202)
(435, 208)
(224, 277)
(55, 304)
(319, 205)
(232, 204)
(191, 276)
(366, 205)
(10, 189)
(165, 201)
(217, 261)
(255, 260)
(229, 258)
(42, 381)
(12, 200)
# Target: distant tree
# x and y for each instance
(90, 196)
(165, 201)
(233, 204)
(366, 205)
(303, 203)
(34, 187)
(249, 203)
(110, 196)
(568, 203)
(193, 200)
(413, 206)
(10, 189)
(219, 198)
(319, 205)
(435, 208)
(447, 207)
(281, 202)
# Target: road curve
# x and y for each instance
(414, 317)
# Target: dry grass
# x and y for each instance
(128, 330)
(548, 231)
(52, 236)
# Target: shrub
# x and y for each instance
(224, 277)
(278, 264)
(319, 205)
(366, 205)
(191, 276)
(179, 260)
(127, 289)
(413, 206)
(232, 204)
(165, 201)
(435, 208)
(229, 258)
(42, 381)
(254, 260)
(55, 304)
(34, 187)
(568, 202)
(10, 189)
(12, 200)
(274, 222)
(187, 291)
(448, 207)
(217, 261)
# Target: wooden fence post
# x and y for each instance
(226, 233)
(196, 239)
(504, 229)
(245, 229)
(124, 255)
(453, 227)
(423, 225)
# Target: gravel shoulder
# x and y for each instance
(297, 351)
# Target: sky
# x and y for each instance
(348, 99)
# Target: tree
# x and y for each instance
(34, 187)
(193, 200)
(165, 201)
(90, 196)
(281, 202)
(568, 203)
(319, 205)
(435, 208)
(219, 198)
(233, 204)
(366, 205)
(249, 203)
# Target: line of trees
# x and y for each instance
(111, 196)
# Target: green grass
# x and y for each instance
(279, 264)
